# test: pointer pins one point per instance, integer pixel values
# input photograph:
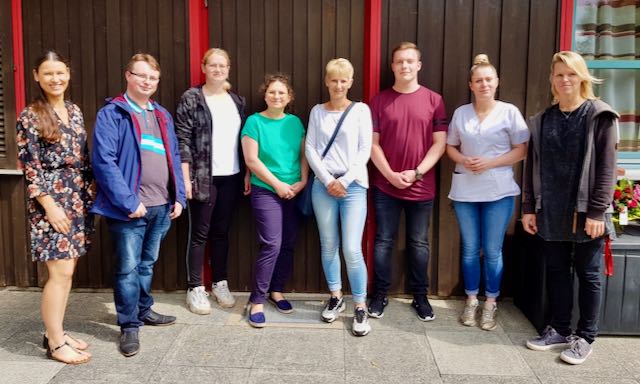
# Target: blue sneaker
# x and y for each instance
(548, 339)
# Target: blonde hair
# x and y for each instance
(339, 67)
(220, 52)
(481, 61)
(147, 58)
(405, 45)
(576, 63)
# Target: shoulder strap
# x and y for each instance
(335, 132)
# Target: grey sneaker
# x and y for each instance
(578, 350)
(333, 308)
(547, 340)
(488, 318)
(360, 325)
(197, 301)
(468, 316)
(221, 292)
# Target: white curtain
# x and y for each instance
(606, 30)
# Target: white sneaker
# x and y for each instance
(360, 325)
(197, 301)
(221, 292)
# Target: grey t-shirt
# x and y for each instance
(154, 178)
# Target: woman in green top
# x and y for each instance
(273, 146)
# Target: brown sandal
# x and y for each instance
(51, 351)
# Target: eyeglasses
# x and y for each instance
(217, 66)
(151, 79)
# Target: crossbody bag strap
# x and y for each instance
(335, 132)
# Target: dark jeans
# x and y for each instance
(277, 226)
(587, 262)
(136, 244)
(211, 220)
(417, 215)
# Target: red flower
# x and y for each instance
(617, 194)
(632, 204)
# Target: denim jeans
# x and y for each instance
(277, 226)
(136, 245)
(418, 214)
(587, 262)
(349, 215)
(482, 227)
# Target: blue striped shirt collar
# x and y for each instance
(136, 108)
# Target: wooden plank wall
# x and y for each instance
(16, 267)
(99, 37)
(519, 37)
(298, 38)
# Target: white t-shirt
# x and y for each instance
(225, 132)
(349, 153)
(503, 127)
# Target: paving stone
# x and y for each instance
(214, 346)
(97, 307)
(155, 342)
(24, 303)
(488, 379)
(385, 352)
(10, 326)
(175, 304)
(625, 350)
(548, 364)
(22, 372)
(25, 344)
(96, 372)
(392, 377)
(199, 375)
(300, 349)
(271, 376)
(476, 353)
(584, 380)
(511, 319)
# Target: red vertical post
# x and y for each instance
(566, 25)
(198, 38)
(198, 45)
(371, 76)
(18, 55)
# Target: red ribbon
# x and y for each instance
(608, 257)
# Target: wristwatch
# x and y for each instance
(418, 174)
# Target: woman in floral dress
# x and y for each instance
(53, 153)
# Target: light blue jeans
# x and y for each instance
(482, 226)
(347, 214)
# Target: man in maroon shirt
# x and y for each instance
(409, 137)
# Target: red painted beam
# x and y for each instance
(371, 76)
(18, 55)
(198, 39)
(566, 25)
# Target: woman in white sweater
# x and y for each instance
(339, 191)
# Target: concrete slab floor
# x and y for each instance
(223, 348)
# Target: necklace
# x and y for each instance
(566, 114)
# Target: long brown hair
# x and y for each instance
(47, 123)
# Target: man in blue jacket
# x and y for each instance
(140, 190)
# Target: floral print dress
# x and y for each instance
(62, 171)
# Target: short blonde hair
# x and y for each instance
(405, 45)
(146, 57)
(339, 67)
(576, 63)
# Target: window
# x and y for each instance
(604, 33)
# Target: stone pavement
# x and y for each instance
(223, 348)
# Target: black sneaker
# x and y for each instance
(377, 304)
(129, 342)
(423, 308)
(154, 318)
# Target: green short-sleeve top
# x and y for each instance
(279, 142)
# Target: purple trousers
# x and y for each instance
(277, 227)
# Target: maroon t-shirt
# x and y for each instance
(406, 123)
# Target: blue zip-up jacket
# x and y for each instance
(116, 158)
